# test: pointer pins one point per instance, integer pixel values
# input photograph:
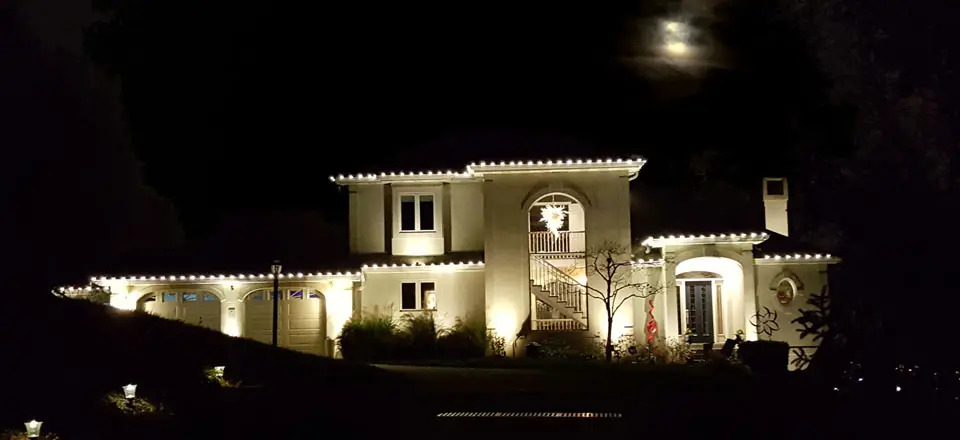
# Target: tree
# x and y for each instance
(611, 262)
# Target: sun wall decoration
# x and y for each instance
(552, 216)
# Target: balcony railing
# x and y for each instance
(567, 242)
(557, 325)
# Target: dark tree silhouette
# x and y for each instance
(73, 197)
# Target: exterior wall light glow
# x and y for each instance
(130, 391)
(33, 428)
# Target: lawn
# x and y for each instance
(62, 359)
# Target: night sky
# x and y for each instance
(232, 116)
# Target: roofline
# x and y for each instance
(296, 276)
(753, 238)
(777, 259)
(476, 171)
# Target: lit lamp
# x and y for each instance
(130, 391)
(33, 428)
(218, 371)
(275, 269)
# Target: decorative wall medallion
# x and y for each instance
(786, 292)
(786, 286)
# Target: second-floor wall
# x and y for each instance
(435, 213)
(416, 219)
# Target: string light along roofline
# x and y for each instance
(742, 237)
(797, 259)
(477, 170)
(316, 276)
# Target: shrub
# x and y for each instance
(417, 338)
(765, 357)
(464, 340)
(369, 337)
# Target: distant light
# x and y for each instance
(672, 26)
(677, 48)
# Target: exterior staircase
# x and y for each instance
(562, 293)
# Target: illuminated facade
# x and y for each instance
(505, 244)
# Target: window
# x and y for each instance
(418, 296)
(258, 296)
(428, 297)
(408, 296)
(170, 297)
(416, 213)
(296, 294)
(189, 296)
(314, 294)
(210, 297)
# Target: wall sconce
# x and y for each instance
(33, 428)
(130, 391)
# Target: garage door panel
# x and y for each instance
(300, 327)
(196, 308)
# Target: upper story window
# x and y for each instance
(418, 296)
(416, 213)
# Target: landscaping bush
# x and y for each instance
(417, 337)
(370, 337)
(464, 340)
(765, 357)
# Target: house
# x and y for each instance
(507, 243)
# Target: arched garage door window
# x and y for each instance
(301, 320)
(191, 306)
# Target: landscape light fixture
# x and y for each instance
(275, 269)
(218, 371)
(130, 391)
(33, 428)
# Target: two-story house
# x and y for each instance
(505, 243)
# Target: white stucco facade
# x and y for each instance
(470, 245)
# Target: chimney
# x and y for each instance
(775, 205)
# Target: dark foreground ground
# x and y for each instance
(61, 361)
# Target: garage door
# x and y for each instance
(193, 307)
(301, 322)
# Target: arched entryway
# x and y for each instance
(557, 245)
(710, 298)
(197, 307)
(301, 321)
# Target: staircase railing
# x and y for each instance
(561, 286)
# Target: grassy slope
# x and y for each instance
(61, 357)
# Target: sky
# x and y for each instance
(238, 121)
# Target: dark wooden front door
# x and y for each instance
(700, 311)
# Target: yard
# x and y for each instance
(63, 360)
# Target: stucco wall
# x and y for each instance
(811, 277)
(459, 291)
(506, 199)
(418, 243)
(367, 219)
(466, 216)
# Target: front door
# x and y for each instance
(700, 311)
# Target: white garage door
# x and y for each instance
(193, 307)
(301, 324)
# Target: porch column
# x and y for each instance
(667, 315)
(749, 294)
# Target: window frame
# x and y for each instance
(418, 296)
(416, 212)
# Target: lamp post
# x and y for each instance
(33, 428)
(275, 269)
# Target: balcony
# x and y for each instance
(572, 243)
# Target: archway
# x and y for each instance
(709, 303)
(301, 319)
(556, 246)
(197, 307)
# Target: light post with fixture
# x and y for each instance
(275, 269)
(33, 428)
